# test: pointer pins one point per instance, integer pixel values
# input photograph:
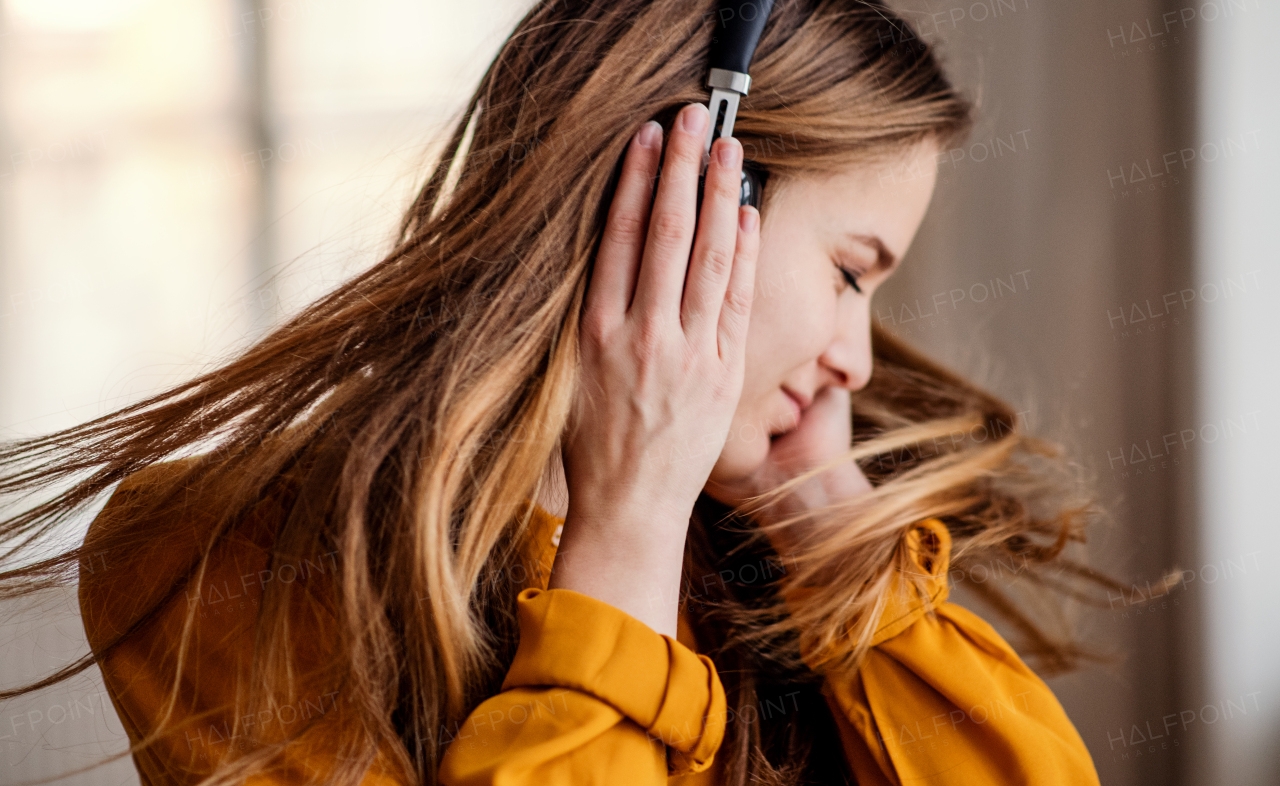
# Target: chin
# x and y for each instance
(742, 455)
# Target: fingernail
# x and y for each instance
(747, 219)
(649, 134)
(693, 118)
(729, 151)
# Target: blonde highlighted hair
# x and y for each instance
(385, 413)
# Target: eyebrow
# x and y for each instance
(886, 259)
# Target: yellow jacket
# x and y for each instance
(592, 696)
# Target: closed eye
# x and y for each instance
(852, 278)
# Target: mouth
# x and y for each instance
(798, 404)
(802, 401)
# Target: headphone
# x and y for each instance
(738, 29)
(740, 23)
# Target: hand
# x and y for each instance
(824, 432)
(663, 343)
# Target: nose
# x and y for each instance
(847, 359)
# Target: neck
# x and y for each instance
(553, 494)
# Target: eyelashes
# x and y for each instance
(852, 278)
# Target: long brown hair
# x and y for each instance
(405, 416)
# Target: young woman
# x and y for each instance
(572, 488)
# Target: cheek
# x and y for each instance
(789, 327)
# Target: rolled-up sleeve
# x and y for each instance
(593, 695)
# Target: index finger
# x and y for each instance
(613, 278)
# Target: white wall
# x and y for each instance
(1239, 357)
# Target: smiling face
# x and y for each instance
(809, 327)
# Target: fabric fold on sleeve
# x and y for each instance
(949, 701)
(592, 695)
(670, 691)
(928, 546)
(942, 698)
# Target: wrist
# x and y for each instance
(844, 481)
(840, 483)
(633, 565)
(626, 515)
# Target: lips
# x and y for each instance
(800, 399)
(799, 403)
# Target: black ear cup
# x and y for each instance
(754, 176)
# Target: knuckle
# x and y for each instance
(688, 153)
(728, 187)
(669, 228)
(738, 300)
(718, 260)
(626, 227)
(648, 339)
(594, 331)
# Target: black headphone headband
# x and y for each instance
(738, 29)
(739, 24)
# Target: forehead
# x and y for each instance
(887, 197)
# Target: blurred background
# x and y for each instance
(177, 177)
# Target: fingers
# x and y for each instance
(735, 314)
(621, 247)
(645, 269)
(666, 252)
(717, 235)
